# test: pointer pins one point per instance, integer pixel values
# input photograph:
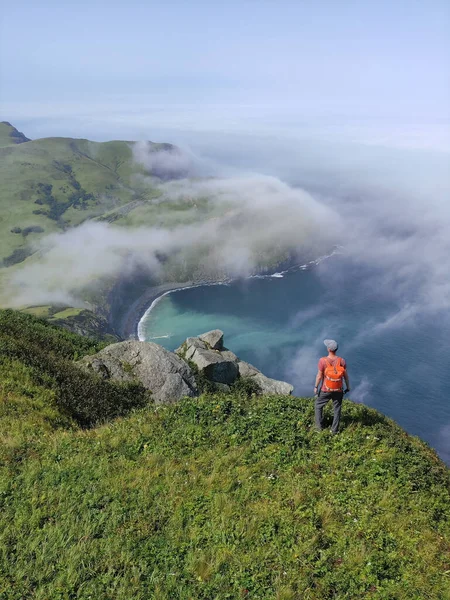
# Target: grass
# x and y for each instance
(51, 312)
(77, 320)
(67, 312)
(222, 496)
(46, 353)
(41, 312)
(55, 183)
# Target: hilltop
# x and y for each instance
(105, 495)
(10, 135)
(50, 184)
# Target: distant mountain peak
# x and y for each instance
(13, 135)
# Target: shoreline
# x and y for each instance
(130, 321)
(129, 326)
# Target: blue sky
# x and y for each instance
(202, 64)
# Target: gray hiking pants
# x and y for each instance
(320, 403)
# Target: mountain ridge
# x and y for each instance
(9, 134)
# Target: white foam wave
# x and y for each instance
(145, 316)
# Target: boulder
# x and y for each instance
(214, 339)
(215, 367)
(221, 366)
(272, 386)
(174, 388)
(246, 369)
(187, 349)
(228, 355)
(165, 374)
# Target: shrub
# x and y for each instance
(49, 353)
(17, 256)
(246, 386)
(32, 229)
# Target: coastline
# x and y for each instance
(129, 324)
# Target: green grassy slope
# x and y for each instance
(52, 184)
(219, 497)
(45, 353)
(55, 183)
(76, 320)
(9, 135)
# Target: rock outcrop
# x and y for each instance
(211, 362)
(167, 376)
(213, 339)
(221, 366)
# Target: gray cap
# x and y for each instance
(331, 345)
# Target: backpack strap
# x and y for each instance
(336, 364)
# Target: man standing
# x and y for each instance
(332, 370)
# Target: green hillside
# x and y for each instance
(222, 496)
(9, 135)
(76, 320)
(51, 184)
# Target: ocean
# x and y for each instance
(279, 322)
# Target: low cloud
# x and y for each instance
(387, 209)
(251, 217)
(362, 393)
(165, 161)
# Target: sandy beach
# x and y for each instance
(128, 326)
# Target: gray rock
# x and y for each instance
(246, 369)
(272, 386)
(266, 384)
(213, 338)
(221, 366)
(214, 366)
(228, 355)
(174, 388)
(187, 349)
(165, 374)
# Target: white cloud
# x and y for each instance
(258, 215)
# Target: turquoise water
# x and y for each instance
(279, 324)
